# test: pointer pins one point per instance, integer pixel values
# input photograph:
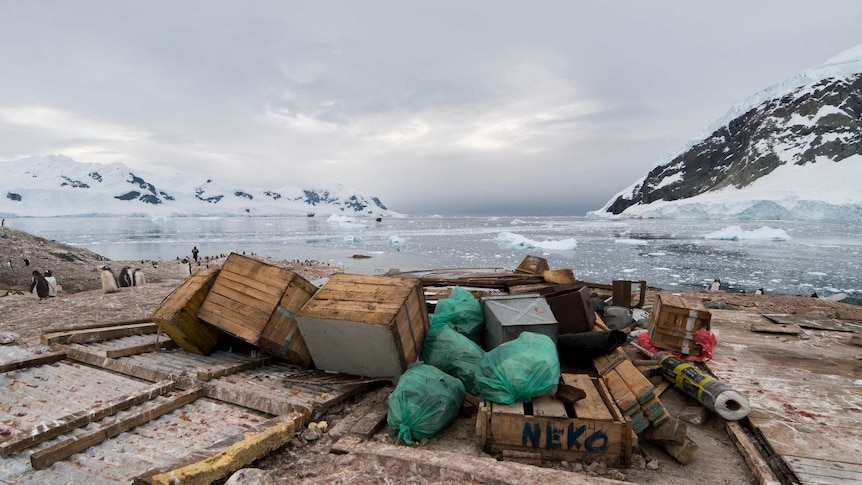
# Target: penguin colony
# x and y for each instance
(128, 278)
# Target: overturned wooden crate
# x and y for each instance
(372, 326)
(673, 322)
(177, 315)
(256, 301)
(591, 428)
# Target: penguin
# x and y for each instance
(26, 261)
(759, 291)
(716, 285)
(138, 278)
(109, 280)
(10, 264)
(52, 283)
(40, 285)
(125, 277)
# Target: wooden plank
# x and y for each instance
(365, 293)
(93, 326)
(592, 406)
(167, 343)
(45, 432)
(671, 431)
(812, 441)
(758, 466)
(396, 281)
(263, 286)
(232, 369)
(683, 453)
(824, 471)
(226, 456)
(123, 367)
(548, 405)
(247, 296)
(98, 334)
(640, 386)
(623, 397)
(816, 322)
(34, 361)
(786, 329)
(604, 363)
(373, 420)
(514, 408)
(44, 458)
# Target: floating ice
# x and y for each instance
(632, 242)
(737, 233)
(515, 222)
(395, 241)
(352, 239)
(519, 241)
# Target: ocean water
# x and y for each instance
(806, 257)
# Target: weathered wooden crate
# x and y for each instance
(592, 428)
(372, 326)
(177, 315)
(533, 265)
(673, 322)
(256, 301)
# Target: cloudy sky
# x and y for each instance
(443, 107)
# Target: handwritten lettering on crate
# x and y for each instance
(569, 437)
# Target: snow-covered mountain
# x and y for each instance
(792, 151)
(59, 186)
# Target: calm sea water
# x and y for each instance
(821, 257)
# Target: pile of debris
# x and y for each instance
(570, 394)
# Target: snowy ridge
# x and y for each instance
(791, 151)
(59, 186)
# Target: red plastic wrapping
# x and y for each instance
(704, 338)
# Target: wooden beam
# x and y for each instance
(238, 367)
(93, 326)
(28, 362)
(226, 456)
(141, 349)
(125, 368)
(45, 432)
(44, 458)
(98, 334)
(758, 466)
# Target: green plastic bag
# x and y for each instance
(463, 312)
(519, 370)
(424, 401)
(453, 353)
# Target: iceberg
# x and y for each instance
(519, 241)
(737, 233)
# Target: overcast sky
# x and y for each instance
(437, 107)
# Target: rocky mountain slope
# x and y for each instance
(59, 186)
(793, 151)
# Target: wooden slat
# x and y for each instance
(824, 471)
(514, 408)
(758, 466)
(640, 386)
(167, 343)
(44, 458)
(232, 369)
(45, 432)
(93, 326)
(623, 397)
(369, 424)
(32, 361)
(98, 334)
(247, 296)
(548, 405)
(263, 286)
(592, 406)
(364, 293)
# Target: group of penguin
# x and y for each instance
(112, 284)
(716, 286)
(44, 286)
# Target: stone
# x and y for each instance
(250, 476)
(652, 465)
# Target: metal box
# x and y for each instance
(372, 326)
(507, 316)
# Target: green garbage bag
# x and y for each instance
(519, 370)
(424, 401)
(453, 353)
(463, 312)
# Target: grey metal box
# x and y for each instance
(507, 316)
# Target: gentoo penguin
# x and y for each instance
(10, 264)
(125, 277)
(26, 261)
(52, 283)
(716, 285)
(39, 285)
(109, 281)
(759, 291)
(138, 277)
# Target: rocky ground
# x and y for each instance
(82, 302)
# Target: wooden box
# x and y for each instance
(177, 315)
(372, 326)
(591, 428)
(256, 301)
(533, 265)
(507, 316)
(673, 322)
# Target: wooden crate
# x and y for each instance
(533, 265)
(177, 315)
(256, 301)
(674, 320)
(372, 326)
(592, 428)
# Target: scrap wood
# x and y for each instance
(141, 349)
(225, 456)
(487, 277)
(782, 328)
(671, 431)
(34, 361)
(93, 326)
(62, 425)
(371, 404)
(99, 333)
(44, 458)
(746, 446)
(816, 322)
(683, 453)
(524, 457)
